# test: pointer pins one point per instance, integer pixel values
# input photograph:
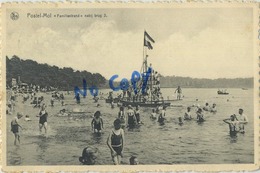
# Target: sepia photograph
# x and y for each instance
(138, 84)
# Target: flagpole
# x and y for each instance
(143, 54)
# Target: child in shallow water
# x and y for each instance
(97, 122)
(187, 115)
(153, 115)
(115, 142)
(200, 117)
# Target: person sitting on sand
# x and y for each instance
(89, 156)
(206, 107)
(115, 142)
(153, 115)
(233, 125)
(133, 160)
(43, 118)
(187, 115)
(97, 122)
(15, 127)
(122, 117)
(213, 109)
(200, 117)
(131, 117)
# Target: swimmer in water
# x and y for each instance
(133, 160)
(153, 115)
(131, 119)
(180, 121)
(200, 117)
(242, 118)
(52, 101)
(89, 156)
(122, 117)
(15, 127)
(213, 109)
(233, 125)
(187, 115)
(161, 119)
(97, 122)
(27, 118)
(115, 142)
(206, 107)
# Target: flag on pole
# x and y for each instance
(147, 40)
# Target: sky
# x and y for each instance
(199, 43)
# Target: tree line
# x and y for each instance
(187, 82)
(44, 75)
(66, 78)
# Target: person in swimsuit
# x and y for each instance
(122, 117)
(131, 117)
(180, 121)
(233, 125)
(206, 107)
(133, 160)
(153, 115)
(187, 115)
(137, 114)
(213, 109)
(200, 117)
(43, 118)
(179, 92)
(115, 142)
(15, 127)
(161, 119)
(97, 122)
(89, 156)
(242, 118)
(52, 101)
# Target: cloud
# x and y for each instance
(213, 53)
(103, 48)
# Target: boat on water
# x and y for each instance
(222, 92)
(145, 92)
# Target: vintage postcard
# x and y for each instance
(130, 87)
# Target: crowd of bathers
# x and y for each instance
(130, 118)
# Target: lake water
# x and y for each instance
(191, 143)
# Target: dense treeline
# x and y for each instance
(44, 75)
(187, 82)
(66, 78)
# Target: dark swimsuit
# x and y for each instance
(137, 115)
(43, 118)
(97, 125)
(161, 119)
(116, 142)
(14, 128)
(131, 121)
(121, 116)
(232, 130)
